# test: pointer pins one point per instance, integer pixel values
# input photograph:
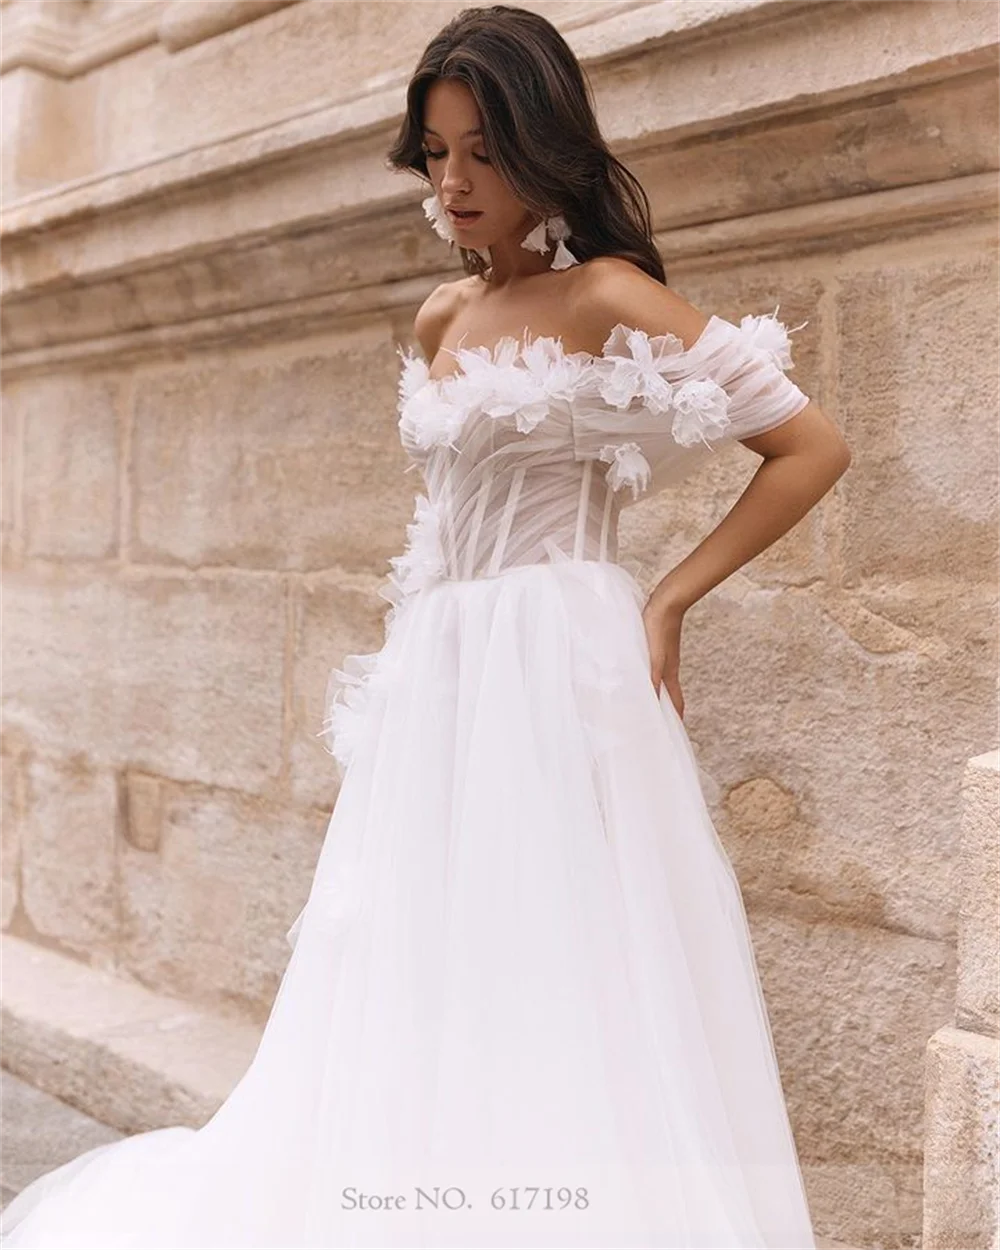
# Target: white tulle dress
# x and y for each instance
(521, 1007)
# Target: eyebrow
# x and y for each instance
(428, 131)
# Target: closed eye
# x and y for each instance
(439, 156)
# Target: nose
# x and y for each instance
(456, 176)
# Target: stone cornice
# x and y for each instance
(295, 221)
(962, 47)
(62, 45)
(186, 22)
(780, 235)
(67, 45)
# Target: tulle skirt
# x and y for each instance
(521, 1007)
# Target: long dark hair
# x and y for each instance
(539, 130)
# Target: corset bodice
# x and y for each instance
(529, 452)
(502, 498)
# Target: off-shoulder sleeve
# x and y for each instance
(655, 411)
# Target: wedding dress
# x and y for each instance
(521, 1006)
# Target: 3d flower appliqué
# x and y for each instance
(352, 688)
(629, 467)
(422, 562)
(767, 334)
(700, 412)
(432, 411)
(413, 375)
(346, 704)
(514, 379)
(624, 378)
(430, 419)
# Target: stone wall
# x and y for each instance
(207, 268)
(962, 1147)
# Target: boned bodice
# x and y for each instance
(529, 452)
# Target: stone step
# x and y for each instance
(111, 1048)
(39, 1133)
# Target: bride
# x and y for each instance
(521, 1007)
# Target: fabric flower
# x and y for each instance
(350, 689)
(345, 705)
(430, 418)
(413, 376)
(628, 467)
(700, 412)
(513, 379)
(422, 562)
(515, 392)
(767, 334)
(556, 372)
(624, 378)
(435, 213)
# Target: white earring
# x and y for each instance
(436, 215)
(556, 228)
(434, 211)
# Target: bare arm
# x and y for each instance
(802, 459)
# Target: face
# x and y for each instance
(461, 173)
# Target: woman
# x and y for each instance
(522, 1007)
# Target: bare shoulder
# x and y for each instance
(612, 290)
(438, 311)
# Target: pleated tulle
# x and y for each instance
(523, 983)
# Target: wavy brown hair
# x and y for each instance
(539, 129)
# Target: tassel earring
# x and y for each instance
(556, 228)
(435, 214)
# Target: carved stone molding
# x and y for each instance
(301, 219)
(291, 285)
(58, 41)
(62, 42)
(185, 22)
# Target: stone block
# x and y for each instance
(961, 1189)
(142, 817)
(71, 451)
(68, 861)
(851, 1008)
(204, 916)
(826, 709)
(917, 391)
(40, 1133)
(170, 673)
(113, 1049)
(11, 426)
(977, 1006)
(13, 761)
(50, 125)
(941, 130)
(274, 458)
(190, 22)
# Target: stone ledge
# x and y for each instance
(58, 44)
(131, 1058)
(37, 339)
(50, 41)
(187, 22)
(331, 128)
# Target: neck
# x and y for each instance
(510, 263)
